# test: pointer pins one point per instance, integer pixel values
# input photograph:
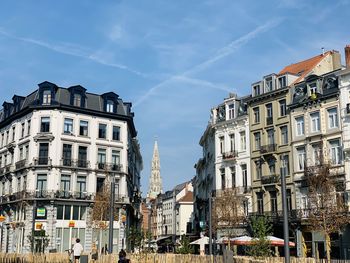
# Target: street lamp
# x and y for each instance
(285, 215)
(111, 216)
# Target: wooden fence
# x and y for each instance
(152, 258)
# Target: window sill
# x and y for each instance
(68, 134)
(83, 136)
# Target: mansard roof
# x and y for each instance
(61, 98)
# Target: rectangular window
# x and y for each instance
(116, 133)
(221, 144)
(301, 158)
(22, 129)
(289, 200)
(243, 141)
(82, 156)
(7, 136)
(60, 212)
(116, 157)
(272, 166)
(244, 175)
(46, 97)
(26, 152)
(232, 142)
(101, 158)
(65, 186)
(260, 202)
(102, 131)
(299, 122)
(223, 179)
(270, 137)
(13, 133)
(269, 114)
(68, 126)
(273, 201)
(28, 127)
(231, 111)
(21, 153)
(110, 106)
(268, 84)
(67, 212)
(256, 90)
(284, 135)
(67, 154)
(256, 115)
(312, 88)
(81, 184)
(83, 128)
(77, 100)
(43, 153)
(41, 185)
(233, 176)
(283, 108)
(335, 151)
(2, 139)
(257, 140)
(258, 169)
(282, 82)
(315, 122)
(45, 124)
(333, 121)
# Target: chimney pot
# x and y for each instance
(347, 56)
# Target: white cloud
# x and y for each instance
(73, 50)
(221, 53)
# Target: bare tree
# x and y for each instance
(228, 212)
(327, 211)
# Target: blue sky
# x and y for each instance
(173, 60)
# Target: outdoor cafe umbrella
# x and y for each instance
(201, 242)
(247, 240)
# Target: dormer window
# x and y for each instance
(77, 96)
(312, 88)
(77, 100)
(110, 102)
(256, 90)
(282, 81)
(110, 106)
(231, 111)
(46, 97)
(268, 83)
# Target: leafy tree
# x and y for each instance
(228, 212)
(261, 228)
(39, 242)
(135, 238)
(327, 211)
(185, 247)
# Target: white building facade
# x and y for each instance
(58, 147)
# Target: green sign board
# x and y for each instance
(41, 212)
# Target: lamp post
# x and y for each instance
(285, 215)
(210, 226)
(111, 217)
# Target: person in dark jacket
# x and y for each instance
(122, 257)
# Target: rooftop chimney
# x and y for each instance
(347, 56)
(322, 51)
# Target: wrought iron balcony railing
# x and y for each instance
(270, 179)
(269, 148)
(229, 155)
(42, 161)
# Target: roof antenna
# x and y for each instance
(322, 51)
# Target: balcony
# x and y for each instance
(8, 168)
(81, 195)
(66, 162)
(42, 161)
(63, 194)
(109, 167)
(21, 164)
(268, 149)
(269, 120)
(270, 179)
(229, 155)
(82, 163)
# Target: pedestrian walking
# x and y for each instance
(77, 250)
